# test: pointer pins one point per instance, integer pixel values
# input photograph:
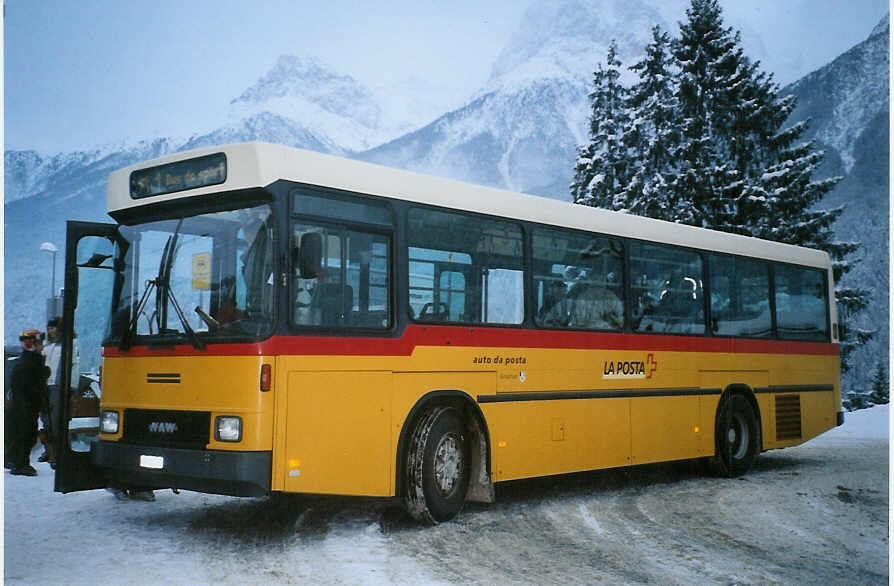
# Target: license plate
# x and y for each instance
(156, 462)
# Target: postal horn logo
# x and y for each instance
(623, 369)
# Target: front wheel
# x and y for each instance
(737, 436)
(437, 467)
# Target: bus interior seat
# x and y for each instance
(334, 302)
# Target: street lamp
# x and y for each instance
(50, 247)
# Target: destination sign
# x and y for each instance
(173, 177)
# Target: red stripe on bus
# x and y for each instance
(422, 335)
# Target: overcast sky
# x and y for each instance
(79, 74)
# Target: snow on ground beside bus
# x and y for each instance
(816, 513)
(872, 423)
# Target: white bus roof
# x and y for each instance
(257, 164)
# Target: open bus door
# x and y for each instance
(93, 273)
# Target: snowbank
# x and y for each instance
(872, 423)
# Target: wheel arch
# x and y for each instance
(480, 484)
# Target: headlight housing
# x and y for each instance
(228, 428)
(109, 422)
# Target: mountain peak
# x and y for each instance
(305, 77)
(843, 97)
(565, 33)
(882, 27)
(308, 91)
(289, 70)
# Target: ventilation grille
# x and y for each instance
(788, 417)
(170, 378)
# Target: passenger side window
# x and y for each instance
(578, 281)
(438, 284)
(801, 306)
(464, 268)
(351, 285)
(740, 297)
(667, 289)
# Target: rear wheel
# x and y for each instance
(737, 436)
(437, 466)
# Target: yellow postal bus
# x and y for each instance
(277, 320)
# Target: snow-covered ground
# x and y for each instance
(817, 513)
(872, 423)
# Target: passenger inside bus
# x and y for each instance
(586, 299)
(554, 310)
(679, 306)
(594, 305)
(304, 296)
(229, 310)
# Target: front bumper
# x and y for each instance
(211, 471)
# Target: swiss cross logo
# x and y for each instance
(651, 365)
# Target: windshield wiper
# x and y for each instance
(163, 293)
(165, 290)
(132, 326)
(150, 285)
(191, 334)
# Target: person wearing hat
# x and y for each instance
(50, 413)
(28, 389)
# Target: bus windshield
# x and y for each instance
(196, 278)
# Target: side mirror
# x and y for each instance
(310, 255)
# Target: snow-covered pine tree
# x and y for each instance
(782, 206)
(653, 133)
(733, 166)
(855, 401)
(880, 393)
(762, 174)
(600, 175)
(712, 73)
(851, 301)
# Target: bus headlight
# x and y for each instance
(109, 422)
(228, 429)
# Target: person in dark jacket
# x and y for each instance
(28, 390)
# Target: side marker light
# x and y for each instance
(266, 377)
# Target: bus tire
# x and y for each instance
(737, 437)
(437, 466)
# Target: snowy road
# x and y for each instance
(813, 514)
